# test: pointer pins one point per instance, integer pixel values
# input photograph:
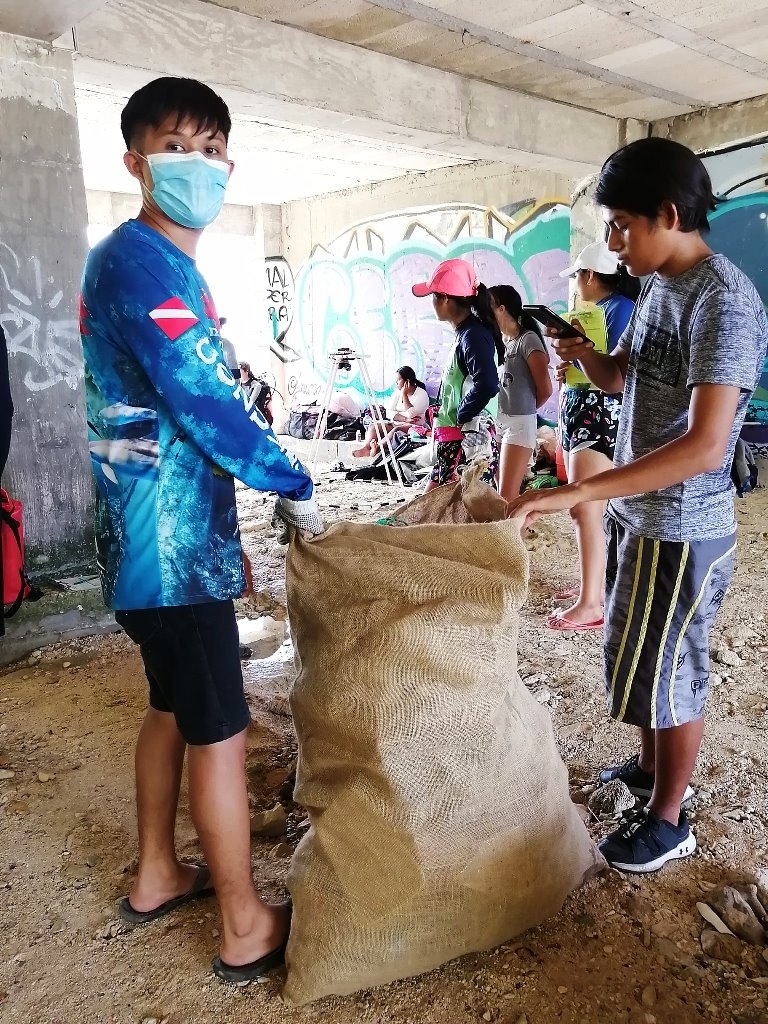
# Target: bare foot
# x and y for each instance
(362, 453)
(582, 613)
(269, 931)
(152, 890)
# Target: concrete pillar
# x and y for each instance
(42, 250)
(586, 223)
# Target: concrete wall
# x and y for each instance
(356, 254)
(311, 222)
(42, 249)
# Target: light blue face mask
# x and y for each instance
(188, 187)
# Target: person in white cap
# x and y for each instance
(589, 421)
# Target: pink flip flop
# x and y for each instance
(559, 622)
(566, 595)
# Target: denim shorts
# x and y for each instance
(191, 656)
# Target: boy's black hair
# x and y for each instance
(642, 176)
(185, 98)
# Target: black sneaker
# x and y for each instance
(638, 782)
(644, 843)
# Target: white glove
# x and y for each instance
(303, 515)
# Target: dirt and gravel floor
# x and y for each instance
(622, 950)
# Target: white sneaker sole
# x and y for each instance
(645, 794)
(683, 849)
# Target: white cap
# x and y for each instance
(596, 256)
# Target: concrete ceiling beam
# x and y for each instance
(266, 70)
(43, 19)
(718, 127)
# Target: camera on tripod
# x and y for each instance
(342, 357)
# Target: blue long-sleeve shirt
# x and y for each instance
(169, 428)
(476, 357)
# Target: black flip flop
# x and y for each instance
(200, 888)
(256, 968)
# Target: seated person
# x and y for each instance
(407, 407)
(256, 386)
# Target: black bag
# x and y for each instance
(302, 422)
(345, 431)
(382, 468)
(743, 469)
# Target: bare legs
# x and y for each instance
(590, 538)
(219, 805)
(670, 756)
(159, 762)
(371, 447)
(513, 463)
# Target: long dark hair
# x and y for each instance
(409, 376)
(642, 176)
(508, 297)
(480, 305)
(621, 283)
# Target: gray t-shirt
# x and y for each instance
(517, 396)
(707, 326)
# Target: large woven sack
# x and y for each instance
(441, 821)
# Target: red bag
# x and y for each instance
(16, 586)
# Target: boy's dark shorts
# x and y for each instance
(191, 656)
(661, 599)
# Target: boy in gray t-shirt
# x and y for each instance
(687, 364)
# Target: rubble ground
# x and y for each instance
(624, 950)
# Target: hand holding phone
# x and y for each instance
(571, 347)
(556, 326)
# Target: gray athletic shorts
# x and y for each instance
(661, 599)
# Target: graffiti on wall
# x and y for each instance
(48, 344)
(281, 290)
(740, 230)
(355, 290)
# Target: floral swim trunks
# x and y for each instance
(589, 419)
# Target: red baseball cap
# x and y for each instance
(451, 277)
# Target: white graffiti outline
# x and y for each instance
(30, 331)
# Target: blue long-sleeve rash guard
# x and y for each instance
(169, 428)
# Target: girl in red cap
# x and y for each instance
(471, 378)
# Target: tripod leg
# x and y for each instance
(322, 419)
(385, 441)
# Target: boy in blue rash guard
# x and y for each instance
(170, 428)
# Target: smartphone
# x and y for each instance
(545, 316)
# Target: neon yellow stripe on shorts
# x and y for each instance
(665, 634)
(630, 613)
(686, 624)
(643, 627)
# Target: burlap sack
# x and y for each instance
(440, 817)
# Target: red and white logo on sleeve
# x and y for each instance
(174, 318)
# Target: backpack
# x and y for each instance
(302, 422)
(16, 586)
